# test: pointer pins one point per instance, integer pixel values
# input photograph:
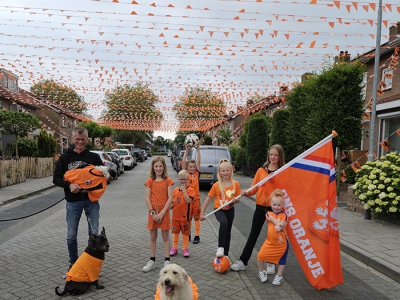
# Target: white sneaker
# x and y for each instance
(149, 266)
(270, 269)
(263, 276)
(166, 263)
(220, 252)
(277, 280)
(238, 266)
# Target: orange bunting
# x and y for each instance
(385, 144)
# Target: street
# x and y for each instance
(34, 252)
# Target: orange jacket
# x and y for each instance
(89, 179)
(262, 197)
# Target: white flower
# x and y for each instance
(390, 189)
(382, 195)
(393, 209)
(381, 186)
(371, 187)
(392, 195)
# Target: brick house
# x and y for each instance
(388, 99)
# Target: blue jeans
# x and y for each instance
(74, 212)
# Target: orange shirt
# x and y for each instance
(159, 193)
(215, 192)
(181, 210)
(194, 183)
(262, 198)
(86, 269)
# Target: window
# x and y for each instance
(387, 78)
(64, 142)
(389, 127)
(13, 107)
(1, 105)
(63, 121)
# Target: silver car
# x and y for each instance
(210, 158)
(107, 161)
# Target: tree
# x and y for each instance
(159, 141)
(17, 123)
(47, 144)
(128, 105)
(224, 135)
(330, 101)
(60, 94)
(97, 131)
(199, 109)
(280, 132)
(257, 142)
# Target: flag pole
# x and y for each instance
(302, 155)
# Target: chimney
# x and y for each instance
(394, 31)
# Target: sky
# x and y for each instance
(238, 49)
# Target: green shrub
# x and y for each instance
(47, 144)
(378, 185)
(207, 140)
(257, 142)
(240, 159)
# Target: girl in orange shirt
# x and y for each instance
(158, 201)
(223, 191)
(275, 160)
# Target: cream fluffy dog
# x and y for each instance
(175, 284)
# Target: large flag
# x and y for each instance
(310, 203)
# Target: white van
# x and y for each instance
(210, 158)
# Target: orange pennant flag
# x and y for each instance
(398, 131)
(356, 166)
(385, 144)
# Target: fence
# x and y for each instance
(18, 170)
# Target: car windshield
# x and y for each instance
(122, 152)
(212, 156)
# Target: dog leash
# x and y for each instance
(86, 213)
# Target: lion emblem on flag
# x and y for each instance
(324, 221)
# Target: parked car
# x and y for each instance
(169, 153)
(210, 158)
(148, 153)
(138, 153)
(175, 153)
(129, 160)
(144, 154)
(106, 160)
(178, 162)
(118, 161)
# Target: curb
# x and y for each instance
(25, 195)
(374, 262)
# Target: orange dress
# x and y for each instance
(158, 199)
(215, 192)
(275, 245)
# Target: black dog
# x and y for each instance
(86, 270)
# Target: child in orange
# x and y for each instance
(158, 201)
(276, 246)
(181, 213)
(225, 190)
(193, 167)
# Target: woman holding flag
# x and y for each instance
(275, 160)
